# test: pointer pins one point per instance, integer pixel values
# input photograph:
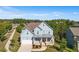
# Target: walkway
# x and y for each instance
(9, 40)
(39, 50)
(28, 48)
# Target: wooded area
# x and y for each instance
(5, 26)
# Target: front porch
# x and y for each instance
(41, 41)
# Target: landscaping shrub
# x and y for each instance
(56, 47)
(12, 44)
(15, 42)
(3, 38)
(19, 29)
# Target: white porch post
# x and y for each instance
(52, 40)
(46, 41)
(41, 42)
(32, 41)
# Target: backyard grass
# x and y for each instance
(15, 42)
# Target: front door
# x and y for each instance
(44, 39)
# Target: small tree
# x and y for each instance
(19, 29)
(63, 45)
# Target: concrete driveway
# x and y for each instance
(25, 48)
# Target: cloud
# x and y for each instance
(39, 14)
(75, 13)
(12, 12)
(57, 13)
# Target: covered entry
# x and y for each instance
(39, 41)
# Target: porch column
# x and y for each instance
(33, 41)
(52, 39)
(41, 42)
(46, 42)
(46, 39)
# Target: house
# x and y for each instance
(73, 37)
(37, 34)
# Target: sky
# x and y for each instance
(40, 12)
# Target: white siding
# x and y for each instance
(26, 36)
(37, 31)
(43, 29)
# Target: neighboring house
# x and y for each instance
(73, 37)
(37, 33)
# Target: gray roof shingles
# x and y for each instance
(75, 30)
(31, 26)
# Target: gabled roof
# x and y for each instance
(75, 30)
(76, 24)
(32, 25)
(48, 26)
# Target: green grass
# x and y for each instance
(15, 44)
(2, 49)
(68, 50)
(53, 48)
(50, 49)
(2, 46)
(56, 48)
(3, 43)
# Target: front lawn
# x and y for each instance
(15, 42)
(54, 48)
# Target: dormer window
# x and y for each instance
(37, 32)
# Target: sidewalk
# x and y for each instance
(9, 40)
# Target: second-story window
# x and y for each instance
(43, 24)
(33, 30)
(49, 32)
(37, 32)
